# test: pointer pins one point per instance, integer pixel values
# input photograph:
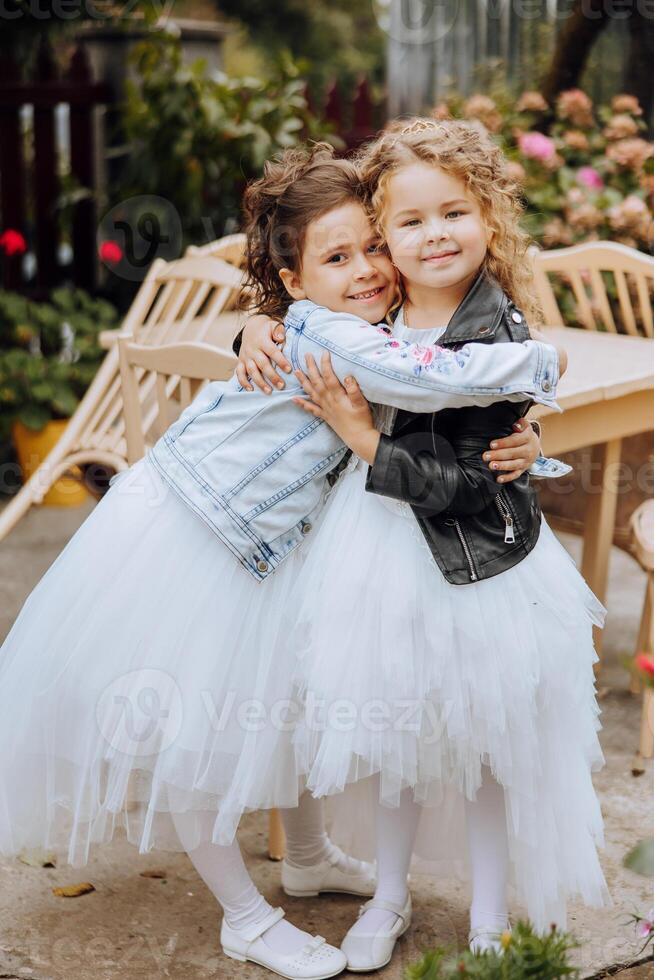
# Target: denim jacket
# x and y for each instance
(254, 467)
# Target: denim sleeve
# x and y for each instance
(427, 379)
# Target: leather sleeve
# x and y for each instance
(432, 475)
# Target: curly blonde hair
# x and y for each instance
(464, 150)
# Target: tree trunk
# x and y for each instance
(638, 76)
(587, 20)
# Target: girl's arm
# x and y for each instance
(433, 474)
(417, 378)
(413, 466)
(259, 347)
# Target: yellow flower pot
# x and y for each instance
(32, 447)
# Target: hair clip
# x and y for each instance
(420, 126)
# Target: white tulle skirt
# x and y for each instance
(405, 675)
(149, 673)
(144, 674)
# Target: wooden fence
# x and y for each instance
(33, 159)
(354, 118)
(29, 166)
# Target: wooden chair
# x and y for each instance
(642, 526)
(231, 249)
(186, 365)
(177, 300)
(609, 286)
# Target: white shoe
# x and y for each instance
(315, 960)
(337, 873)
(371, 952)
(484, 938)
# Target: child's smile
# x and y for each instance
(343, 266)
(434, 229)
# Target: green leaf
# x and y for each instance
(34, 417)
(641, 858)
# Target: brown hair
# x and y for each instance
(464, 150)
(297, 187)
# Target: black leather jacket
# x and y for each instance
(475, 527)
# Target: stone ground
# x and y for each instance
(142, 927)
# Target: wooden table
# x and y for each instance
(607, 393)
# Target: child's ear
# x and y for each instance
(292, 283)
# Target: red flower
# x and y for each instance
(645, 662)
(111, 252)
(12, 242)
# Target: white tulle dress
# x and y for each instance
(148, 672)
(421, 681)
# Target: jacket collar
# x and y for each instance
(479, 314)
(476, 318)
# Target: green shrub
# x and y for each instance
(525, 955)
(49, 354)
(587, 171)
(196, 137)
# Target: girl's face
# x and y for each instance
(433, 227)
(343, 267)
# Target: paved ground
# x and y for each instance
(142, 927)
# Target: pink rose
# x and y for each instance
(537, 146)
(590, 178)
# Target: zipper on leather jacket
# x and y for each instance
(466, 547)
(507, 516)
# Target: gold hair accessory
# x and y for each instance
(420, 126)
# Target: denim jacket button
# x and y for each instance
(306, 528)
(262, 566)
(547, 385)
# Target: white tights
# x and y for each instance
(487, 846)
(223, 869)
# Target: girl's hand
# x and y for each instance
(260, 352)
(515, 453)
(343, 408)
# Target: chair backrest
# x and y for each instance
(189, 364)
(597, 285)
(185, 300)
(231, 249)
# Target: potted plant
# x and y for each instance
(49, 354)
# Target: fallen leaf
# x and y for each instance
(153, 873)
(641, 858)
(72, 891)
(38, 859)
